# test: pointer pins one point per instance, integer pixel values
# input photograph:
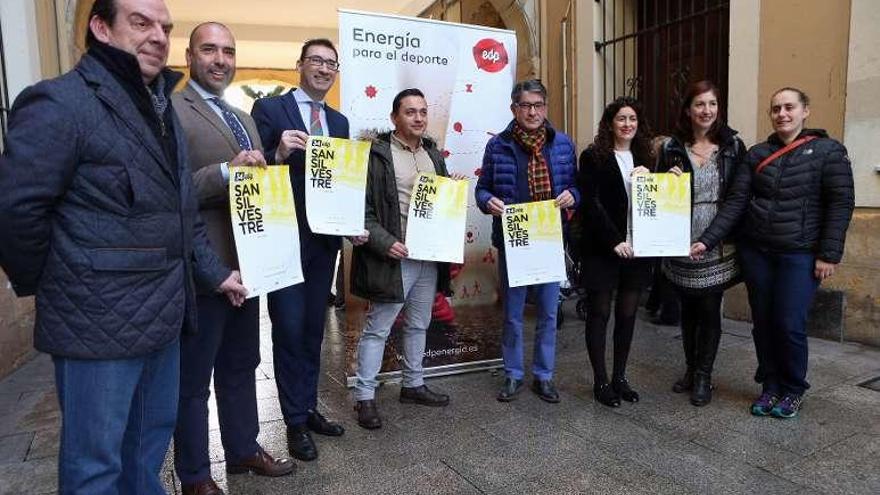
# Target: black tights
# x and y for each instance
(625, 305)
(701, 330)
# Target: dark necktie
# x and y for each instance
(237, 130)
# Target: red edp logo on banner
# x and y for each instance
(490, 55)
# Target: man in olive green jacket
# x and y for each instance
(381, 270)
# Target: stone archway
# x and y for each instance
(518, 16)
(525, 24)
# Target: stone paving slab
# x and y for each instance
(661, 445)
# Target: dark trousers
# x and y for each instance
(781, 288)
(298, 315)
(227, 344)
(663, 298)
(701, 330)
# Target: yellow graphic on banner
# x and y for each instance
(669, 193)
(331, 161)
(440, 196)
(527, 222)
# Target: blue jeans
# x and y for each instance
(547, 299)
(117, 417)
(781, 287)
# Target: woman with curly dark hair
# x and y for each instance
(620, 149)
(706, 148)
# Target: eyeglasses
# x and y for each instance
(525, 107)
(316, 61)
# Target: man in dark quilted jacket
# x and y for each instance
(100, 222)
(528, 161)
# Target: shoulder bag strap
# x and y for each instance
(791, 146)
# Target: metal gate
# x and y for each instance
(651, 50)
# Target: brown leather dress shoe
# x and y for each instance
(368, 414)
(262, 464)
(207, 487)
(423, 395)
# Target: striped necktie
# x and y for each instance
(315, 127)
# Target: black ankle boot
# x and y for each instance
(606, 395)
(623, 390)
(685, 383)
(702, 392)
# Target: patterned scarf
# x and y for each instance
(539, 175)
(157, 96)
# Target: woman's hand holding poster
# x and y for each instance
(661, 214)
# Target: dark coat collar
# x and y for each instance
(819, 133)
(507, 133)
(111, 91)
(124, 67)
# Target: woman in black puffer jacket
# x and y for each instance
(706, 148)
(794, 193)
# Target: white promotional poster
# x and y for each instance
(336, 180)
(466, 73)
(438, 205)
(533, 243)
(661, 214)
(265, 228)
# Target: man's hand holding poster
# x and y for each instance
(533, 243)
(265, 228)
(336, 180)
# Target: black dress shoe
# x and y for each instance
(702, 392)
(606, 395)
(423, 395)
(685, 383)
(300, 443)
(510, 390)
(368, 414)
(320, 425)
(621, 388)
(545, 390)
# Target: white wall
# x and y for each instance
(20, 45)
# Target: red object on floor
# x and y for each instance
(442, 310)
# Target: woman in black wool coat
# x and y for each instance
(620, 149)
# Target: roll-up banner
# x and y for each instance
(466, 73)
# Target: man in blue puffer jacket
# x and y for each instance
(528, 161)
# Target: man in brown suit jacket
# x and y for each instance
(228, 341)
